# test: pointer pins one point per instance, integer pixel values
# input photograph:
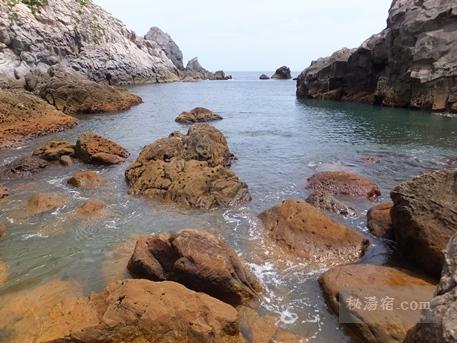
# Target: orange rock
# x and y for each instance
(42, 203)
(95, 149)
(378, 220)
(92, 209)
(87, 179)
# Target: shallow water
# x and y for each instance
(279, 142)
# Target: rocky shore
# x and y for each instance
(409, 64)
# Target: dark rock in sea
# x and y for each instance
(379, 221)
(282, 73)
(95, 149)
(168, 45)
(369, 300)
(410, 64)
(327, 202)
(194, 71)
(54, 150)
(424, 218)
(197, 115)
(87, 179)
(22, 167)
(344, 183)
(42, 203)
(198, 260)
(437, 325)
(305, 231)
(264, 77)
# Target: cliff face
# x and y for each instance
(412, 63)
(80, 35)
(168, 45)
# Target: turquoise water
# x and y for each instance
(279, 141)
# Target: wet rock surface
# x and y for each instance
(305, 231)
(91, 209)
(24, 116)
(198, 115)
(198, 260)
(282, 73)
(344, 183)
(379, 221)
(87, 179)
(189, 170)
(424, 218)
(327, 202)
(95, 149)
(389, 288)
(54, 150)
(3, 192)
(22, 167)
(42, 203)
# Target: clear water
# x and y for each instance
(279, 141)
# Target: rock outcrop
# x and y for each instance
(95, 149)
(168, 45)
(22, 167)
(344, 183)
(379, 221)
(424, 218)
(54, 150)
(190, 170)
(198, 260)
(87, 179)
(327, 202)
(282, 73)
(24, 116)
(376, 304)
(194, 71)
(198, 115)
(412, 63)
(306, 232)
(264, 77)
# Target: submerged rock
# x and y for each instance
(198, 260)
(87, 179)
(305, 231)
(327, 202)
(375, 303)
(54, 150)
(198, 115)
(282, 73)
(42, 203)
(188, 170)
(22, 167)
(424, 218)
(379, 221)
(24, 116)
(264, 77)
(91, 209)
(344, 183)
(95, 149)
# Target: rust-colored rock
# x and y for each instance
(305, 231)
(198, 260)
(344, 183)
(327, 202)
(388, 288)
(24, 116)
(95, 149)
(54, 150)
(22, 167)
(42, 203)
(379, 221)
(92, 209)
(198, 115)
(87, 179)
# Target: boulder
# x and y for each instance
(54, 150)
(73, 93)
(91, 209)
(168, 45)
(130, 311)
(308, 233)
(379, 221)
(22, 167)
(65, 160)
(437, 324)
(189, 170)
(327, 202)
(42, 203)
(194, 71)
(424, 218)
(282, 73)
(198, 260)
(95, 149)
(3, 192)
(264, 77)
(87, 179)
(344, 183)
(24, 116)
(198, 115)
(375, 303)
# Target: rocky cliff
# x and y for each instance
(168, 45)
(412, 63)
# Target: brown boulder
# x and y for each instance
(375, 303)
(197, 115)
(22, 167)
(42, 203)
(3, 192)
(54, 150)
(344, 183)
(424, 218)
(65, 160)
(95, 149)
(199, 261)
(87, 179)
(24, 116)
(305, 231)
(92, 209)
(327, 202)
(379, 221)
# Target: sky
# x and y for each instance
(255, 35)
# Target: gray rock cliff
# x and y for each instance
(168, 45)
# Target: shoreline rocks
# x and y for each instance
(379, 221)
(54, 150)
(198, 115)
(327, 202)
(94, 149)
(22, 167)
(306, 232)
(282, 73)
(198, 260)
